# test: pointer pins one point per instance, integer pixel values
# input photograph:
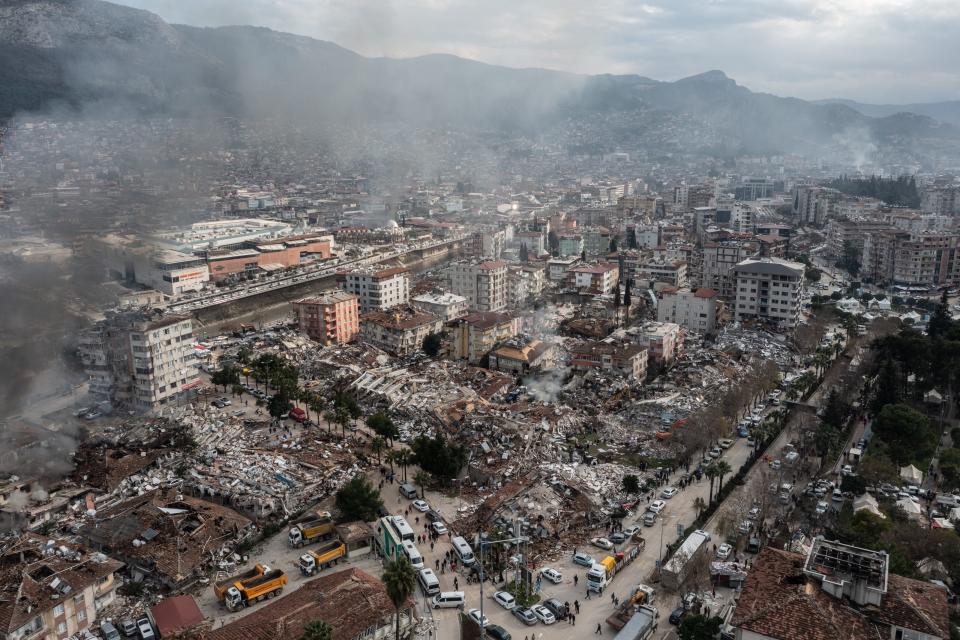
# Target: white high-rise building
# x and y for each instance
(769, 289)
(378, 290)
(695, 310)
(141, 362)
(483, 284)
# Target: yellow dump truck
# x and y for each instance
(246, 592)
(328, 554)
(312, 530)
(220, 588)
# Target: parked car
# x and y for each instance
(821, 508)
(716, 452)
(601, 543)
(543, 614)
(657, 506)
(775, 465)
(146, 629)
(724, 551)
(557, 608)
(552, 575)
(669, 492)
(649, 518)
(676, 616)
(475, 614)
(128, 627)
(439, 528)
(617, 537)
(420, 505)
(583, 559)
(525, 615)
(632, 530)
(433, 516)
(505, 600)
(497, 632)
(745, 527)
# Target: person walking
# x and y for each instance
(597, 632)
(456, 584)
(576, 605)
(576, 579)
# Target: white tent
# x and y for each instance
(867, 502)
(910, 507)
(911, 475)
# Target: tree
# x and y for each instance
(228, 375)
(404, 459)
(317, 403)
(583, 255)
(438, 457)
(279, 404)
(378, 444)
(422, 479)
(631, 484)
(940, 321)
(950, 467)
(613, 244)
(699, 505)
(382, 424)
(317, 630)
(906, 432)
(722, 468)
(616, 295)
(711, 472)
(812, 274)
(358, 500)
(330, 417)
(553, 240)
(524, 255)
(398, 578)
(626, 294)
(698, 627)
(431, 344)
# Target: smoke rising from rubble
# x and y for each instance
(547, 386)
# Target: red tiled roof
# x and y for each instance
(176, 614)
(704, 292)
(492, 264)
(913, 604)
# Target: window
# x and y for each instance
(62, 627)
(58, 610)
(81, 615)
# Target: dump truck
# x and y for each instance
(220, 587)
(328, 554)
(246, 592)
(600, 575)
(641, 625)
(642, 594)
(312, 530)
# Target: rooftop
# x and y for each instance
(486, 319)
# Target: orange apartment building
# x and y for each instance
(332, 317)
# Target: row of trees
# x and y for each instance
(901, 191)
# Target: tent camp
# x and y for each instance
(867, 502)
(910, 507)
(911, 475)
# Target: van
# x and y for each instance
(428, 581)
(408, 491)
(463, 551)
(109, 631)
(413, 554)
(449, 600)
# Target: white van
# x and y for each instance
(409, 491)
(413, 554)
(463, 551)
(449, 600)
(428, 581)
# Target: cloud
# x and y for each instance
(875, 50)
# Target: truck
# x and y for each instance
(220, 588)
(312, 530)
(641, 625)
(601, 573)
(675, 570)
(642, 594)
(297, 414)
(246, 592)
(328, 554)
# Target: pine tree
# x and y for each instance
(626, 295)
(616, 295)
(524, 256)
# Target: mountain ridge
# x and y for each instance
(78, 53)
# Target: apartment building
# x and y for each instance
(333, 317)
(489, 244)
(483, 284)
(814, 205)
(55, 588)
(842, 232)
(446, 306)
(909, 259)
(478, 333)
(140, 361)
(596, 240)
(399, 330)
(599, 278)
(524, 283)
(672, 273)
(769, 289)
(534, 240)
(630, 360)
(662, 340)
(378, 289)
(717, 262)
(570, 244)
(692, 310)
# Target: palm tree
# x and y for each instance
(330, 417)
(711, 473)
(699, 505)
(398, 578)
(404, 458)
(317, 630)
(391, 457)
(378, 444)
(317, 403)
(422, 478)
(723, 468)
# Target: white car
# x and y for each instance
(421, 505)
(439, 528)
(552, 575)
(631, 531)
(745, 526)
(847, 470)
(821, 508)
(669, 492)
(724, 551)
(716, 452)
(602, 543)
(505, 600)
(775, 464)
(543, 614)
(657, 506)
(475, 614)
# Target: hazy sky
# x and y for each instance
(896, 51)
